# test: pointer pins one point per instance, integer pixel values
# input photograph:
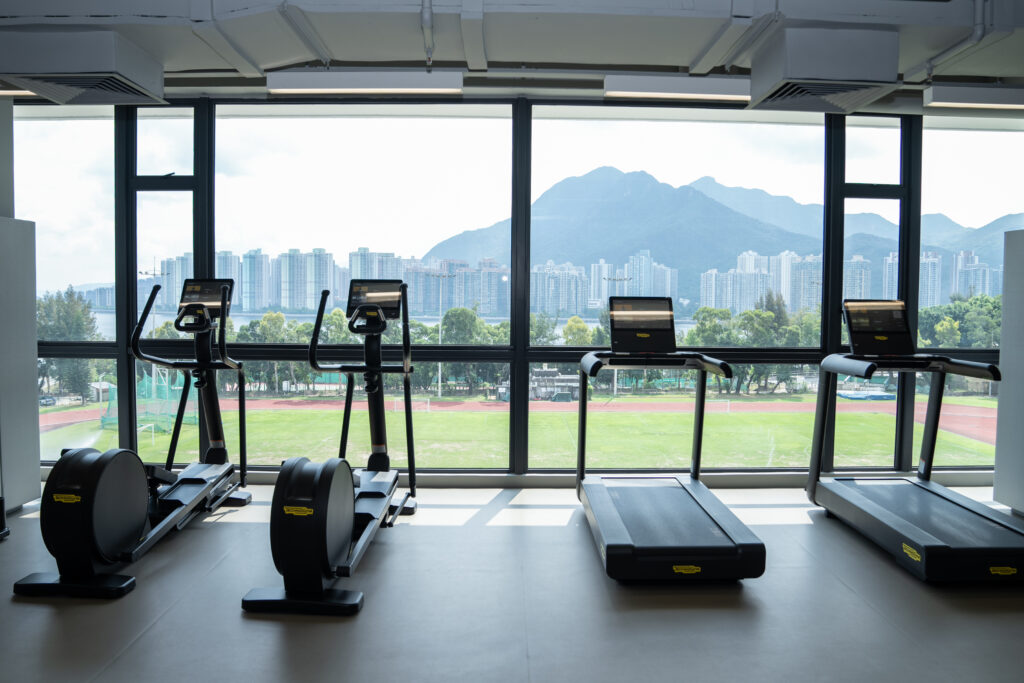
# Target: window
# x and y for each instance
(967, 423)
(970, 196)
(77, 405)
(873, 150)
(164, 141)
(292, 410)
(334, 193)
(64, 182)
(762, 417)
(719, 211)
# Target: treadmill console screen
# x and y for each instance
(384, 293)
(642, 324)
(207, 293)
(878, 328)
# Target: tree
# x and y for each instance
(947, 333)
(713, 328)
(166, 331)
(464, 326)
(576, 332)
(66, 316)
(542, 330)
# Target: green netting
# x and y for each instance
(156, 403)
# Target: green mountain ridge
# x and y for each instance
(610, 214)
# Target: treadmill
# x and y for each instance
(934, 533)
(659, 528)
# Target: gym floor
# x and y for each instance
(505, 585)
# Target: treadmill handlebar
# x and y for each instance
(865, 366)
(595, 361)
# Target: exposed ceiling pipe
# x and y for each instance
(427, 24)
(977, 35)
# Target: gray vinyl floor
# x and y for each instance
(505, 585)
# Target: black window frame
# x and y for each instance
(518, 354)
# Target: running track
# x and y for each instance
(974, 422)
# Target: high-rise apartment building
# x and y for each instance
(929, 289)
(319, 276)
(255, 281)
(602, 284)
(857, 278)
(890, 275)
(227, 265)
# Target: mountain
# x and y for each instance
(784, 212)
(608, 214)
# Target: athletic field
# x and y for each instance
(626, 432)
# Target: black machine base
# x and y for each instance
(332, 602)
(668, 529)
(106, 586)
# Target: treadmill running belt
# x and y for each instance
(955, 526)
(666, 517)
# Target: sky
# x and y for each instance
(403, 184)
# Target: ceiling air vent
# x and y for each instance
(80, 67)
(831, 70)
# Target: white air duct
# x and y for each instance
(821, 69)
(80, 67)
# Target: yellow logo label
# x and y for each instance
(298, 510)
(66, 498)
(686, 569)
(643, 335)
(911, 553)
(1002, 571)
(881, 337)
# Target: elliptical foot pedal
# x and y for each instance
(332, 602)
(238, 499)
(105, 586)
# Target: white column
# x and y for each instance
(1009, 474)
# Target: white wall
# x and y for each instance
(19, 412)
(1009, 475)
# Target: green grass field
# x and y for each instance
(480, 439)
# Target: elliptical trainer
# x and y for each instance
(324, 515)
(102, 511)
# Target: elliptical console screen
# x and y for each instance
(642, 324)
(384, 293)
(207, 293)
(878, 328)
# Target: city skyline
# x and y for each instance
(293, 281)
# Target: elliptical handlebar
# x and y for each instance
(225, 363)
(314, 341)
(366, 312)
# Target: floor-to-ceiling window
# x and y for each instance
(720, 210)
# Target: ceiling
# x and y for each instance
(559, 48)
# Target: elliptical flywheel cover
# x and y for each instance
(311, 522)
(94, 508)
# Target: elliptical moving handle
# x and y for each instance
(315, 340)
(406, 344)
(222, 345)
(137, 335)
